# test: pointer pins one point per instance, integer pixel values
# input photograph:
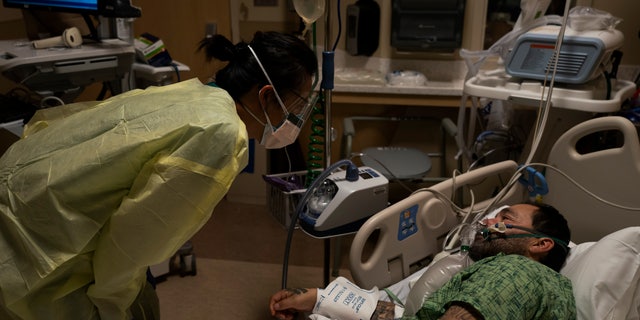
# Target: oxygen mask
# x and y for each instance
(498, 231)
(486, 231)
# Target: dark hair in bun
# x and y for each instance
(218, 47)
(287, 59)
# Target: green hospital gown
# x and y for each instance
(506, 287)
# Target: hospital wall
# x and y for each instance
(181, 25)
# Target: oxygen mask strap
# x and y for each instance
(499, 229)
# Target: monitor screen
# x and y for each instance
(107, 8)
(79, 6)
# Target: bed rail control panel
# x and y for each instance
(407, 224)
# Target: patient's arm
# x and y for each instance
(385, 310)
(461, 311)
(285, 303)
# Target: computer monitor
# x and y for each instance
(77, 6)
(106, 8)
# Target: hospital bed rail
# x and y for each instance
(405, 237)
(380, 257)
(611, 172)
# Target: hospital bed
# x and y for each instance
(604, 264)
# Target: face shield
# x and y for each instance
(302, 106)
(285, 133)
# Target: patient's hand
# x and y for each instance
(285, 303)
(461, 311)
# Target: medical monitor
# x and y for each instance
(106, 8)
(77, 6)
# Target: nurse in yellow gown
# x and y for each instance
(96, 192)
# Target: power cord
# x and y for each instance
(175, 68)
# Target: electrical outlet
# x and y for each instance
(210, 29)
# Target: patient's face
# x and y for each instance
(518, 215)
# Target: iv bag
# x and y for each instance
(309, 11)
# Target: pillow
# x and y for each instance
(605, 276)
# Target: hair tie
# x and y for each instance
(240, 49)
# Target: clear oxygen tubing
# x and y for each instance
(501, 48)
(501, 228)
(474, 61)
(543, 113)
(453, 237)
(456, 233)
(516, 176)
(300, 210)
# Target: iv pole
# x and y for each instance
(327, 86)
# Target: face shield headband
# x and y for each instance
(286, 132)
(497, 231)
(297, 119)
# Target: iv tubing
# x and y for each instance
(539, 130)
(501, 49)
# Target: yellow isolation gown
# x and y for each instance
(96, 192)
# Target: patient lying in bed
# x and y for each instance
(605, 276)
(604, 273)
(515, 277)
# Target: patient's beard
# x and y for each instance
(481, 248)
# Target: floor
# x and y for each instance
(248, 232)
(239, 256)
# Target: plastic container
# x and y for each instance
(280, 201)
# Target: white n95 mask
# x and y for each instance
(288, 131)
(284, 135)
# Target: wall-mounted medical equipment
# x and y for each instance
(427, 25)
(67, 71)
(363, 27)
(343, 201)
(582, 56)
